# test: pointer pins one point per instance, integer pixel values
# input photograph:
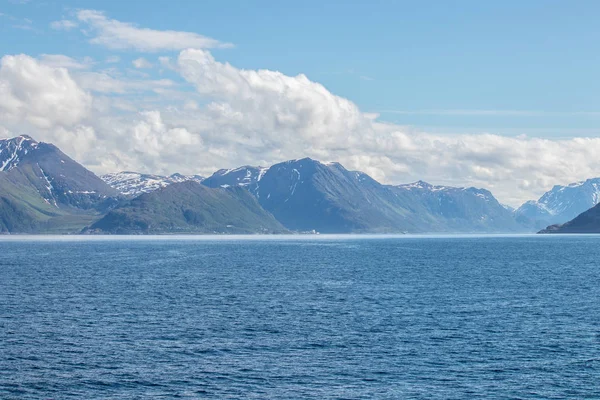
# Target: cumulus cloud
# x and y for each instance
(122, 35)
(272, 103)
(270, 115)
(237, 117)
(141, 63)
(104, 82)
(39, 94)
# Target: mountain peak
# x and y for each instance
(563, 202)
(12, 150)
(18, 140)
(417, 185)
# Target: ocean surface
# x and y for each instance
(300, 317)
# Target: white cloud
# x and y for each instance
(38, 94)
(112, 59)
(63, 25)
(122, 35)
(104, 82)
(273, 116)
(260, 117)
(272, 103)
(141, 63)
(62, 61)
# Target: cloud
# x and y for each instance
(238, 116)
(122, 35)
(39, 94)
(141, 63)
(271, 102)
(62, 61)
(270, 115)
(112, 59)
(63, 25)
(104, 82)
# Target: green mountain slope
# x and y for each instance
(189, 207)
(23, 210)
(42, 190)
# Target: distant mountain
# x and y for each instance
(61, 181)
(189, 207)
(562, 203)
(459, 209)
(42, 189)
(586, 222)
(306, 195)
(246, 176)
(132, 184)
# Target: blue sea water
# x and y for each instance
(311, 317)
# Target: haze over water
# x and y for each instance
(300, 317)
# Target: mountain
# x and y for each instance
(586, 222)
(246, 176)
(12, 151)
(307, 195)
(189, 207)
(59, 180)
(132, 184)
(458, 209)
(42, 189)
(562, 203)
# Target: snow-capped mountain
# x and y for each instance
(424, 188)
(461, 208)
(13, 150)
(132, 184)
(60, 181)
(43, 190)
(311, 195)
(246, 176)
(562, 203)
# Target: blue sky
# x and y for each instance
(530, 65)
(500, 95)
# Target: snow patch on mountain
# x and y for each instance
(133, 184)
(424, 186)
(12, 151)
(563, 203)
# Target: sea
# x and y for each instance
(300, 317)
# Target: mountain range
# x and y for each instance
(132, 184)
(562, 203)
(42, 190)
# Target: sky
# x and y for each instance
(498, 95)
